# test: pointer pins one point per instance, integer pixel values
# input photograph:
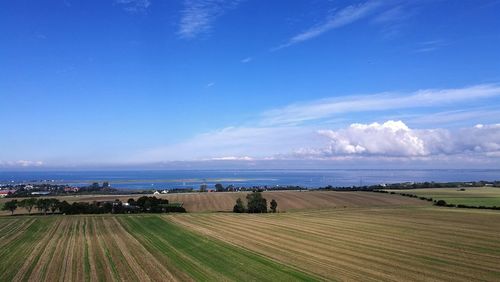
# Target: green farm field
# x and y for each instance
(125, 248)
(474, 196)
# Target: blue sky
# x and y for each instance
(201, 83)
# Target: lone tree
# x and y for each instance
(239, 207)
(274, 205)
(10, 206)
(256, 203)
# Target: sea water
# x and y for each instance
(312, 178)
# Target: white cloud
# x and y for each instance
(286, 134)
(326, 108)
(198, 16)
(233, 158)
(21, 163)
(395, 139)
(392, 138)
(342, 17)
(385, 141)
(134, 5)
(210, 84)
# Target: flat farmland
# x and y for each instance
(474, 196)
(377, 242)
(368, 244)
(125, 248)
(287, 200)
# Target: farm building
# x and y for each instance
(4, 193)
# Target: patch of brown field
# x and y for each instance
(292, 200)
(390, 244)
(287, 200)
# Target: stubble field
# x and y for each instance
(369, 244)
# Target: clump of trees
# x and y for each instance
(144, 204)
(256, 203)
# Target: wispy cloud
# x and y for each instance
(198, 16)
(397, 13)
(393, 20)
(210, 84)
(134, 6)
(342, 17)
(330, 107)
(428, 46)
(472, 115)
(246, 60)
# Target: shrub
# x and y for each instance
(239, 207)
(441, 203)
(274, 205)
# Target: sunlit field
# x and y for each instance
(369, 242)
(472, 196)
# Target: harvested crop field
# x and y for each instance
(368, 244)
(292, 200)
(125, 248)
(287, 200)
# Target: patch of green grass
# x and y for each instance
(86, 260)
(14, 254)
(475, 196)
(205, 258)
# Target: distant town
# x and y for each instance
(105, 188)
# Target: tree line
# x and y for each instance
(256, 203)
(144, 204)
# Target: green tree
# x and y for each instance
(274, 205)
(43, 205)
(28, 204)
(219, 187)
(239, 207)
(54, 205)
(10, 206)
(256, 203)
